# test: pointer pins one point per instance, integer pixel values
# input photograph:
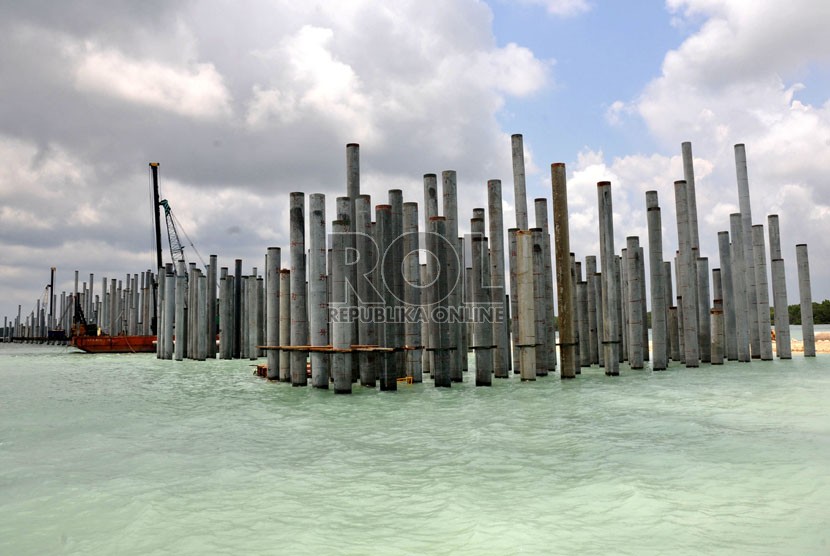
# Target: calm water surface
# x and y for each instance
(124, 454)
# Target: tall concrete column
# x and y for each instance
(131, 297)
(91, 297)
(703, 317)
(549, 337)
(729, 321)
(151, 300)
(718, 320)
(146, 287)
(135, 311)
(430, 198)
(762, 291)
(779, 290)
(352, 192)
(685, 275)
(430, 212)
(668, 293)
(168, 315)
(210, 332)
(76, 299)
(539, 305)
(584, 325)
(260, 300)
(576, 278)
(412, 291)
(220, 312)
(519, 189)
(201, 318)
(258, 316)
(704, 314)
(352, 174)
(113, 307)
(680, 321)
(717, 336)
(775, 253)
(245, 323)
(467, 278)
(285, 324)
(618, 284)
(806, 298)
(181, 314)
(192, 310)
(689, 177)
(368, 296)
(341, 328)
(344, 210)
(125, 310)
(143, 284)
(635, 309)
(395, 280)
(482, 344)
(659, 312)
(593, 338)
(598, 303)
(501, 335)
(739, 283)
(513, 320)
(450, 205)
(717, 289)
(641, 267)
(299, 307)
(610, 281)
(387, 335)
(783, 344)
(237, 309)
(317, 289)
(272, 310)
(468, 292)
(103, 312)
(749, 257)
(439, 330)
(564, 283)
(226, 321)
(624, 305)
(426, 360)
(64, 321)
(527, 317)
(644, 318)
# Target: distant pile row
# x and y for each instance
(357, 304)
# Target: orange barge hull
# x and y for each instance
(115, 344)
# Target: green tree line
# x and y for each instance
(821, 313)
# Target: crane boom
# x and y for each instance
(176, 247)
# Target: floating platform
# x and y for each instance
(115, 344)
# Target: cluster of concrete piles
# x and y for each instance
(119, 307)
(377, 297)
(415, 303)
(722, 314)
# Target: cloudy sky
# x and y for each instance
(244, 101)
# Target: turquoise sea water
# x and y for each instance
(125, 454)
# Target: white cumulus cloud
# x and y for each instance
(737, 78)
(196, 91)
(562, 8)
